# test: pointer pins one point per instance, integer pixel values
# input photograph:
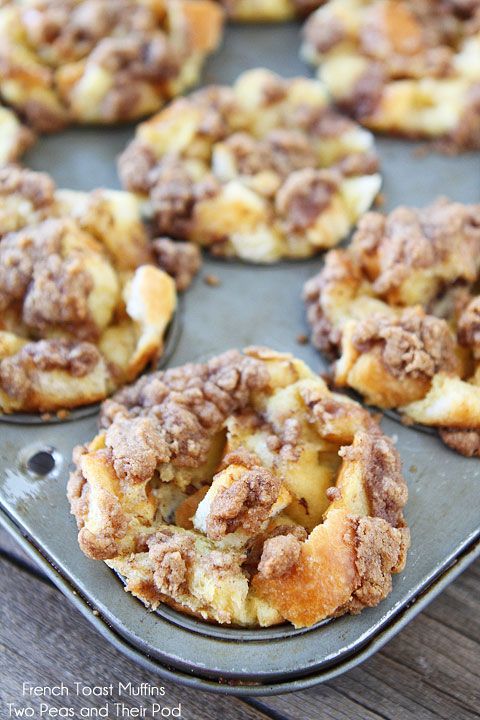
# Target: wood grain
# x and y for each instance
(430, 670)
(44, 641)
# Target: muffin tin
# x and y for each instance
(251, 305)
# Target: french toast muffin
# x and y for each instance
(408, 67)
(398, 312)
(101, 61)
(83, 308)
(242, 491)
(262, 170)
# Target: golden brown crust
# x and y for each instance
(384, 484)
(236, 491)
(262, 170)
(408, 68)
(365, 308)
(101, 62)
(80, 312)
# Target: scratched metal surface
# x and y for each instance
(252, 305)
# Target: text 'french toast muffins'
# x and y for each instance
(268, 10)
(82, 308)
(399, 310)
(244, 492)
(101, 61)
(409, 67)
(262, 170)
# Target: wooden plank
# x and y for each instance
(44, 642)
(430, 670)
(462, 594)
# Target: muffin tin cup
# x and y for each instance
(252, 305)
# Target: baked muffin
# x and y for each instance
(268, 10)
(15, 138)
(398, 311)
(98, 61)
(408, 67)
(242, 491)
(262, 170)
(83, 308)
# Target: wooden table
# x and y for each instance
(430, 670)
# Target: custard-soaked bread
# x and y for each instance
(242, 491)
(101, 61)
(268, 10)
(83, 309)
(397, 311)
(15, 138)
(409, 67)
(262, 170)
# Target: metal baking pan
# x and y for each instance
(252, 305)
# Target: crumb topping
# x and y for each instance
(173, 195)
(187, 406)
(339, 270)
(280, 554)
(170, 555)
(380, 550)
(414, 344)
(466, 442)
(245, 504)
(181, 260)
(304, 196)
(137, 446)
(282, 150)
(409, 239)
(37, 188)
